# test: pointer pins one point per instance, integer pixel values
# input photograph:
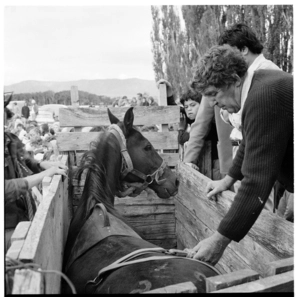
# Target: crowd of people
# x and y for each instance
(140, 100)
(30, 154)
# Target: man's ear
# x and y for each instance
(245, 51)
(239, 81)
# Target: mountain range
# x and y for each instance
(107, 87)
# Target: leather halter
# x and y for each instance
(128, 166)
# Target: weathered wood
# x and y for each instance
(280, 266)
(44, 242)
(192, 211)
(270, 235)
(46, 184)
(223, 281)
(170, 158)
(143, 115)
(74, 141)
(27, 281)
(132, 210)
(37, 196)
(191, 230)
(187, 287)
(74, 98)
(278, 283)
(15, 249)
(21, 231)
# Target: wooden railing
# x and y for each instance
(42, 241)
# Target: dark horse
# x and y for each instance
(103, 254)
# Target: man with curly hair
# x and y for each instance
(266, 153)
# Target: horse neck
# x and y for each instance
(102, 182)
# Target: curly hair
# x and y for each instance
(219, 67)
(190, 94)
(240, 35)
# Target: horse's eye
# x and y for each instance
(148, 147)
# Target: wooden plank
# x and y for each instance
(151, 219)
(46, 184)
(74, 141)
(271, 235)
(37, 196)
(132, 210)
(166, 243)
(44, 242)
(15, 249)
(223, 281)
(143, 115)
(278, 283)
(192, 211)
(21, 231)
(74, 98)
(170, 158)
(27, 281)
(229, 262)
(280, 266)
(187, 287)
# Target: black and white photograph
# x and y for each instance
(148, 147)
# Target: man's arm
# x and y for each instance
(199, 130)
(267, 130)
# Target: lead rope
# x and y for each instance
(16, 264)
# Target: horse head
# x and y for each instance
(147, 165)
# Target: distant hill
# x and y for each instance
(107, 87)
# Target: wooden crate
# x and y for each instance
(265, 251)
(158, 213)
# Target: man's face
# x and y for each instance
(228, 98)
(191, 108)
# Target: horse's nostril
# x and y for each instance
(177, 182)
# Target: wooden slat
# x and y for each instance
(280, 266)
(235, 278)
(278, 283)
(27, 281)
(76, 141)
(270, 239)
(21, 231)
(44, 242)
(15, 249)
(132, 210)
(170, 158)
(143, 115)
(187, 287)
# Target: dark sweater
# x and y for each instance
(266, 152)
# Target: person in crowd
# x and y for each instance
(16, 109)
(45, 133)
(21, 173)
(17, 120)
(144, 101)
(25, 111)
(21, 131)
(266, 152)
(139, 99)
(34, 110)
(35, 143)
(151, 101)
(133, 102)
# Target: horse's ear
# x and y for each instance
(112, 118)
(6, 101)
(128, 120)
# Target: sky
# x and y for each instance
(62, 43)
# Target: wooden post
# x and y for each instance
(74, 96)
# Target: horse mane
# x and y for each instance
(96, 162)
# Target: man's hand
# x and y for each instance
(169, 86)
(49, 164)
(193, 166)
(217, 186)
(211, 249)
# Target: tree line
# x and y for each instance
(63, 97)
(177, 45)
